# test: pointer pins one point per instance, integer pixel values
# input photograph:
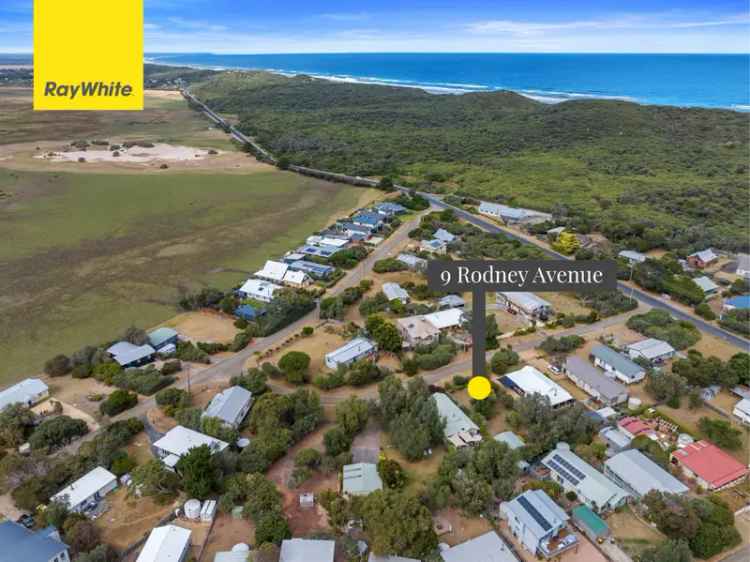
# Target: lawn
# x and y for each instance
(87, 254)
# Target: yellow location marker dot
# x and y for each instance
(479, 387)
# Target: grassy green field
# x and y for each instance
(85, 255)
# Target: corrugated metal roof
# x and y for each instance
(642, 474)
(179, 440)
(306, 550)
(350, 351)
(608, 388)
(24, 392)
(617, 361)
(510, 439)
(361, 478)
(165, 544)
(19, 543)
(531, 381)
(85, 487)
(393, 291)
(160, 336)
(228, 404)
(455, 418)
(484, 548)
(528, 302)
(538, 513)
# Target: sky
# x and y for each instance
(307, 26)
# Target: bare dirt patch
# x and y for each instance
(204, 325)
(129, 519)
(463, 528)
(227, 532)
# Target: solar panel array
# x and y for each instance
(580, 475)
(564, 473)
(531, 510)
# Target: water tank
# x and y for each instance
(243, 442)
(240, 547)
(192, 509)
(634, 403)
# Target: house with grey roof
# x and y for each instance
(652, 350)
(594, 382)
(351, 352)
(707, 285)
(743, 266)
(703, 258)
(388, 208)
(162, 337)
(632, 257)
(459, 429)
(413, 262)
(307, 550)
(451, 301)
(617, 365)
(128, 355)
(360, 479)
(231, 405)
(616, 439)
(538, 523)
(444, 235)
(21, 544)
(27, 392)
(433, 246)
(576, 475)
(488, 547)
(639, 475)
(394, 292)
(530, 306)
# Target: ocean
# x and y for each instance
(718, 81)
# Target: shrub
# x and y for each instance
(105, 372)
(171, 367)
(294, 364)
(57, 432)
(309, 458)
(240, 342)
(307, 331)
(186, 351)
(503, 360)
(118, 401)
(171, 399)
(704, 311)
(143, 381)
(58, 366)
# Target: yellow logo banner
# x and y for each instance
(88, 54)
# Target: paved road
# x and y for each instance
(742, 555)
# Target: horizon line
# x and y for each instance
(706, 53)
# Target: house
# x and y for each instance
(296, 279)
(248, 312)
(306, 550)
(638, 474)
(231, 405)
(736, 303)
(702, 259)
(451, 301)
(412, 262)
(178, 441)
(514, 443)
(742, 410)
(87, 490)
(448, 319)
(555, 232)
(529, 380)
(351, 352)
(743, 266)
(355, 230)
(709, 466)
(708, 287)
(633, 427)
(530, 306)
(394, 292)
(459, 429)
(128, 355)
(576, 475)
(444, 235)
(617, 364)
(272, 271)
(333, 241)
(589, 522)
(652, 350)
(615, 438)
(512, 215)
(434, 246)
(21, 544)
(390, 209)
(416, 331)
(27, 392)
(318, 251)
(315, 270)
(632, 257)
(169, 543)
(373, 221)
(360, 479)
(162, 337)
(595, 383)
(484, 548)
(258, 290)
(538, 523)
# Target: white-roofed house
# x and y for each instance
(538, 523)
(617, 364)
(488, 547)
(446, 319)
(636, 473)
(258, 289)
(297, 279)
(127, 354)
(530, 306)
(444, 235)
(707, 285)
(433, 246)
(307, 550)
(169, 543)
(652, 350)
(27, 392)
(413, 262)
(459, 430)
(178, 441)
(351, 352)
(231, 405)
(742, 410)
(451, 301)
(632, 257)
(394, 292)
(87, 490)
(591, 486)
(743, 266)
(528, 380)
(273, 271)
(702, 259)
(360, 479)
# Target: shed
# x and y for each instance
(529, 380)
(444, 235)
(485, 548)
(632, 256)
(412, 262)
(619, 365)
(247, 312)
(179, 440)
(451, 301)
(706, 284)
(652, 350)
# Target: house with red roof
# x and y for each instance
(709, 466)
(633, 427)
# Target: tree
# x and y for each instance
(16, 423)
(102, 553)
(272, 528)
(567, 243)
(58, 366)
(171, 399)
(253, 380)
(117, 402)
(332, 307)
(399, 524)
(200, 474)
(154, 479)
(295, 364)
(352, 415)
(261, 496)
(384, 333)
(721, 432)
(392, 474)
(667, 387)
(80, 534)
(57, 432)
(136, 336)
(337, 441)
(309, 458)
(502, 360)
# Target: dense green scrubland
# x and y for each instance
(645, 176)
